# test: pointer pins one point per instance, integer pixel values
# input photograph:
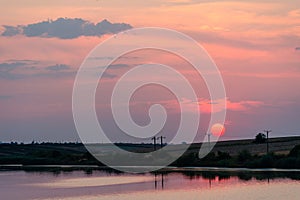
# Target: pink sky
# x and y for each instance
(252, 42)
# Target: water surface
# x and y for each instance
(107, 185)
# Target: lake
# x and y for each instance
(167, 185)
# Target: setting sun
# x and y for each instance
(218, 130)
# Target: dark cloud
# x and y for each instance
(66, 28)
(108, 75)
(58, 67)
(7, 67)
(31, 69)
(7, 70)
(297, 48)
(116, 66)
(11, 30)
(3, 97)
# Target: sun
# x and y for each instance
(218, 130)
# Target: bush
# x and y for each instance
(187, 160)
(223, 155)
(295, 152)
(267, 161)
(56, 154)
(244, 155)
(287, 163)
(210, 157)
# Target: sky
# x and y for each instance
(255, 44)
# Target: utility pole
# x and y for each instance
(208, 138)
(267, 131)
(154, 141)
(161, 141)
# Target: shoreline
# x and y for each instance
(164, 169)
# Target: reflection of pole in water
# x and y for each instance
(155, 180)
(162, 181)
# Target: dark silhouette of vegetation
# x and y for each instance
(223, 155)
(76, 154)
(295, 152)
(244, 156)
(260, 138)
(243, 159)
(46, 154)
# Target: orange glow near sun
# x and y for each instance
(218, 130)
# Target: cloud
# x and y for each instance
(101, 58)
(297, 48)
(7, 70)
(116, 66)
(207, 106)
(65, 28)
(243, 105)
(108, 75)
(31, 69)
(240, 106)
(11, 30)
(58, 67)
(4, 97)
(7, 67)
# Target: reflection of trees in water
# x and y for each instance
(218, 176)
(242, 175)
(160, 176)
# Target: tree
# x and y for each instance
(223, 155)
(260, 138)
(244, 155)
(295, 152)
